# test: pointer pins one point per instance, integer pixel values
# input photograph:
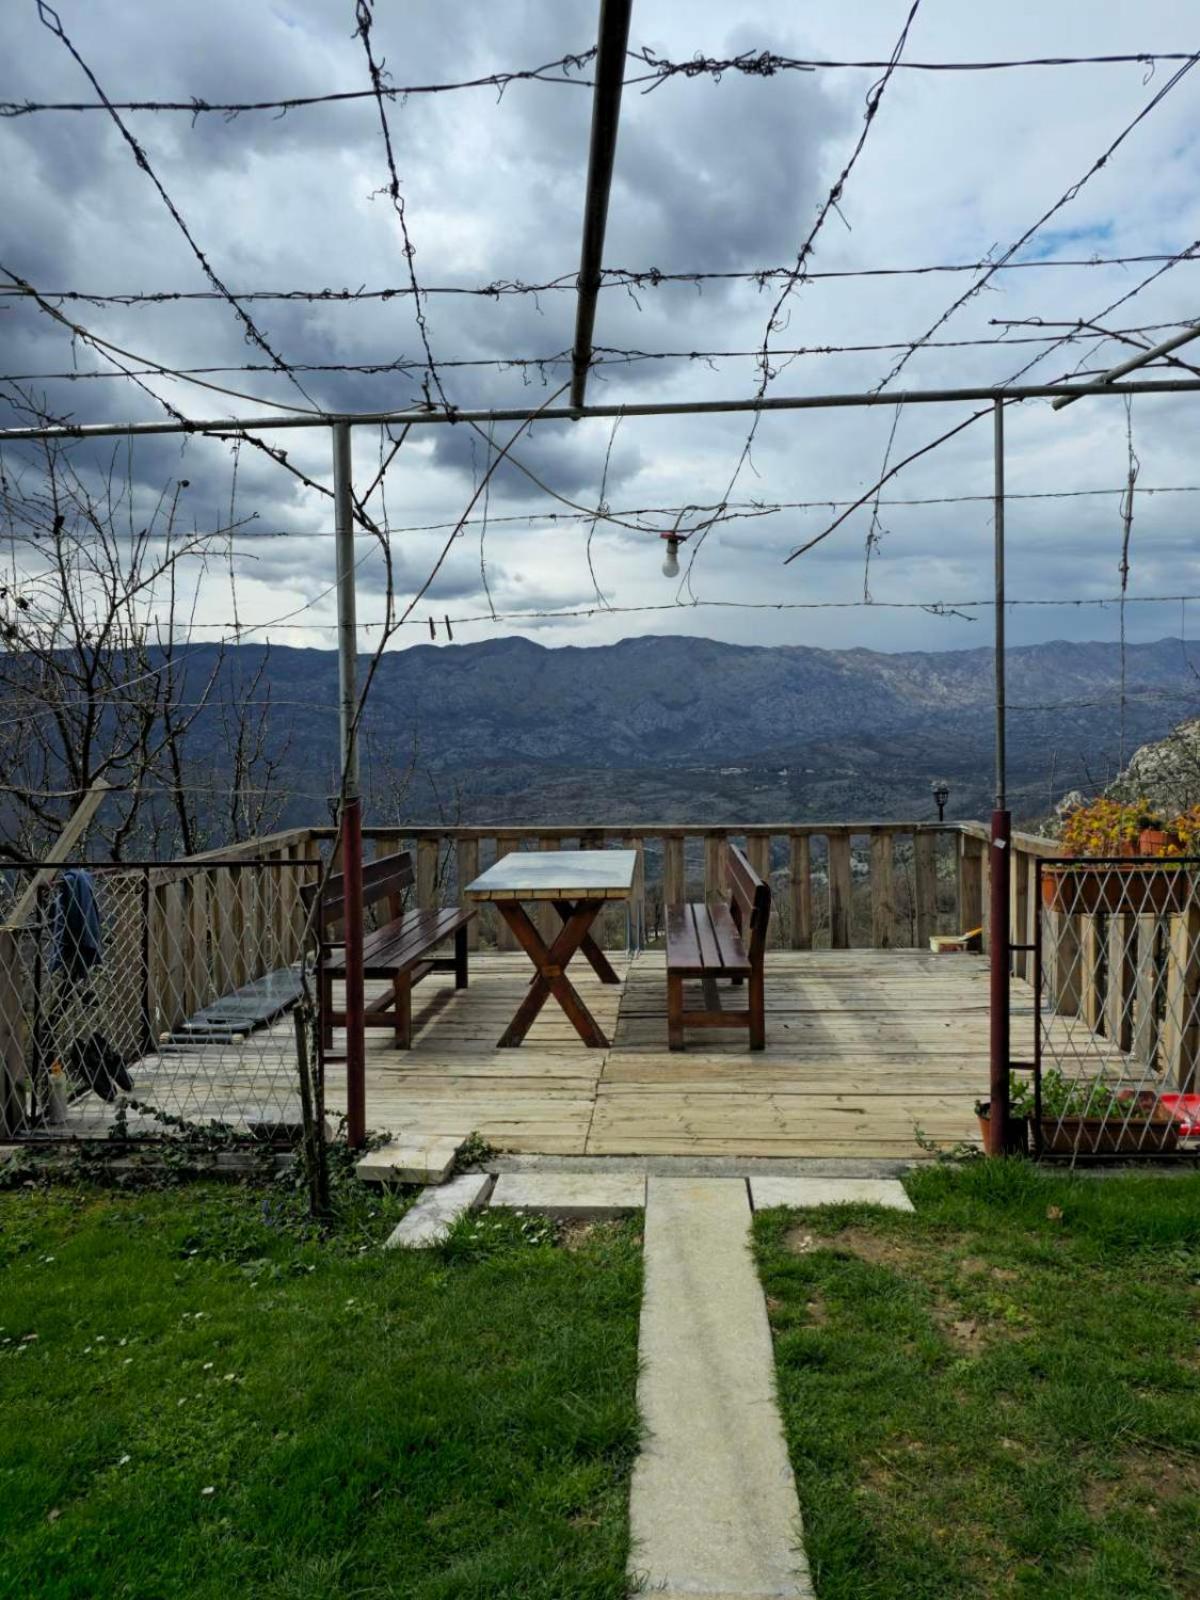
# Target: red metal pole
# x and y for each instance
(1001, 964)
(352, 868)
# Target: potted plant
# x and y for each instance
(1111, 830)
(1154, 837)
(1018, 1123)
(1090, 1116)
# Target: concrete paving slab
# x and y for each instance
(711, 1166)
(436, 1210)
(410, 1161)
(766, 1192)
(567, 1196)
(713, 1506)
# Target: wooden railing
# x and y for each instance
(879, 885)
(1132, 979)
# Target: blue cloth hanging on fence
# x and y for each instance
(78, 942)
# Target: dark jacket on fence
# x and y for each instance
(78, 943)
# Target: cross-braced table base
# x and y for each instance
(550, 962)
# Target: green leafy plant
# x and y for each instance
(1073, 1097)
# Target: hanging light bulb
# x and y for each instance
(670, 564)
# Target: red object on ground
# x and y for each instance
(1185, 1108)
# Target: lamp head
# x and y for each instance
(670, 564)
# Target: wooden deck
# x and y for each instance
(864, 1047)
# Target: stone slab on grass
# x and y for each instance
(436, 1210)
(713, 1506)
(766, 1192)
(591, 1196)
(410, 1161)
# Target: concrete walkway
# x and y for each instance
(713, 1509)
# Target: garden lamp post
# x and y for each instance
(941, 793)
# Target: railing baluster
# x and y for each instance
(467, 868)
(840, 889)
(801, 891)
(925, 887)
(883, 890)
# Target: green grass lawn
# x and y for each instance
(998, 1396)
(199, 1399)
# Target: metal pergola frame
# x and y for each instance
(612, 41)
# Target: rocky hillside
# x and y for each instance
(1165, 772)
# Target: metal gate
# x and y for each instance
(1117, 1009)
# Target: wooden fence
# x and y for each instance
(878, 885)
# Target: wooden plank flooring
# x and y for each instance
(864, 1047)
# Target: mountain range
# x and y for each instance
(668, 728)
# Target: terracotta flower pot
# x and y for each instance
(1110, 1136)
(1132, 890)
(1155, 841)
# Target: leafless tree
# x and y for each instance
(94, 680)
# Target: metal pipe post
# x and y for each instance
(1000, 851)
(1001, 960)
(351, 804)
(611, 43)
(1001, 707)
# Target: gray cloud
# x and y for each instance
(715, 176)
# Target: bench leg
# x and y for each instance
(758, 1011)
(402, 990)
(674, 1012)
(460, 958)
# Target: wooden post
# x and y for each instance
(506, 844)
(638, 898)
(801, 891)
(970, 882)
(199, 983)
(1181, 1023)
(427, 865)
(1019, 917)
(674, 886)
(73, 831)
(758, 854)
(1090, 967)
(883, 892)
(226, 931)
(839, 890)
(1121, 986)
(1062, 962)
(716, 890)
(467, 862)
(1145, 1015)
(925, 887)
(172, 994)
(544, 916)
(985, 896)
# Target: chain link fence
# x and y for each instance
(1117, 1061)
(145, 995)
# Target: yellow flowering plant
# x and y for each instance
(1107, 827)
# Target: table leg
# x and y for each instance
(600, 962)
(550, 978)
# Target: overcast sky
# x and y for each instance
(710, 176)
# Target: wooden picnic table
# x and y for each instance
(578, 884)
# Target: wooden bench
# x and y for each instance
(715, 942)
(400, 949)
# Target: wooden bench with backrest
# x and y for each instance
(710, 943)
(400, 949)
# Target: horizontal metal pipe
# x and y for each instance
(664, 408)
(1139, 360)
